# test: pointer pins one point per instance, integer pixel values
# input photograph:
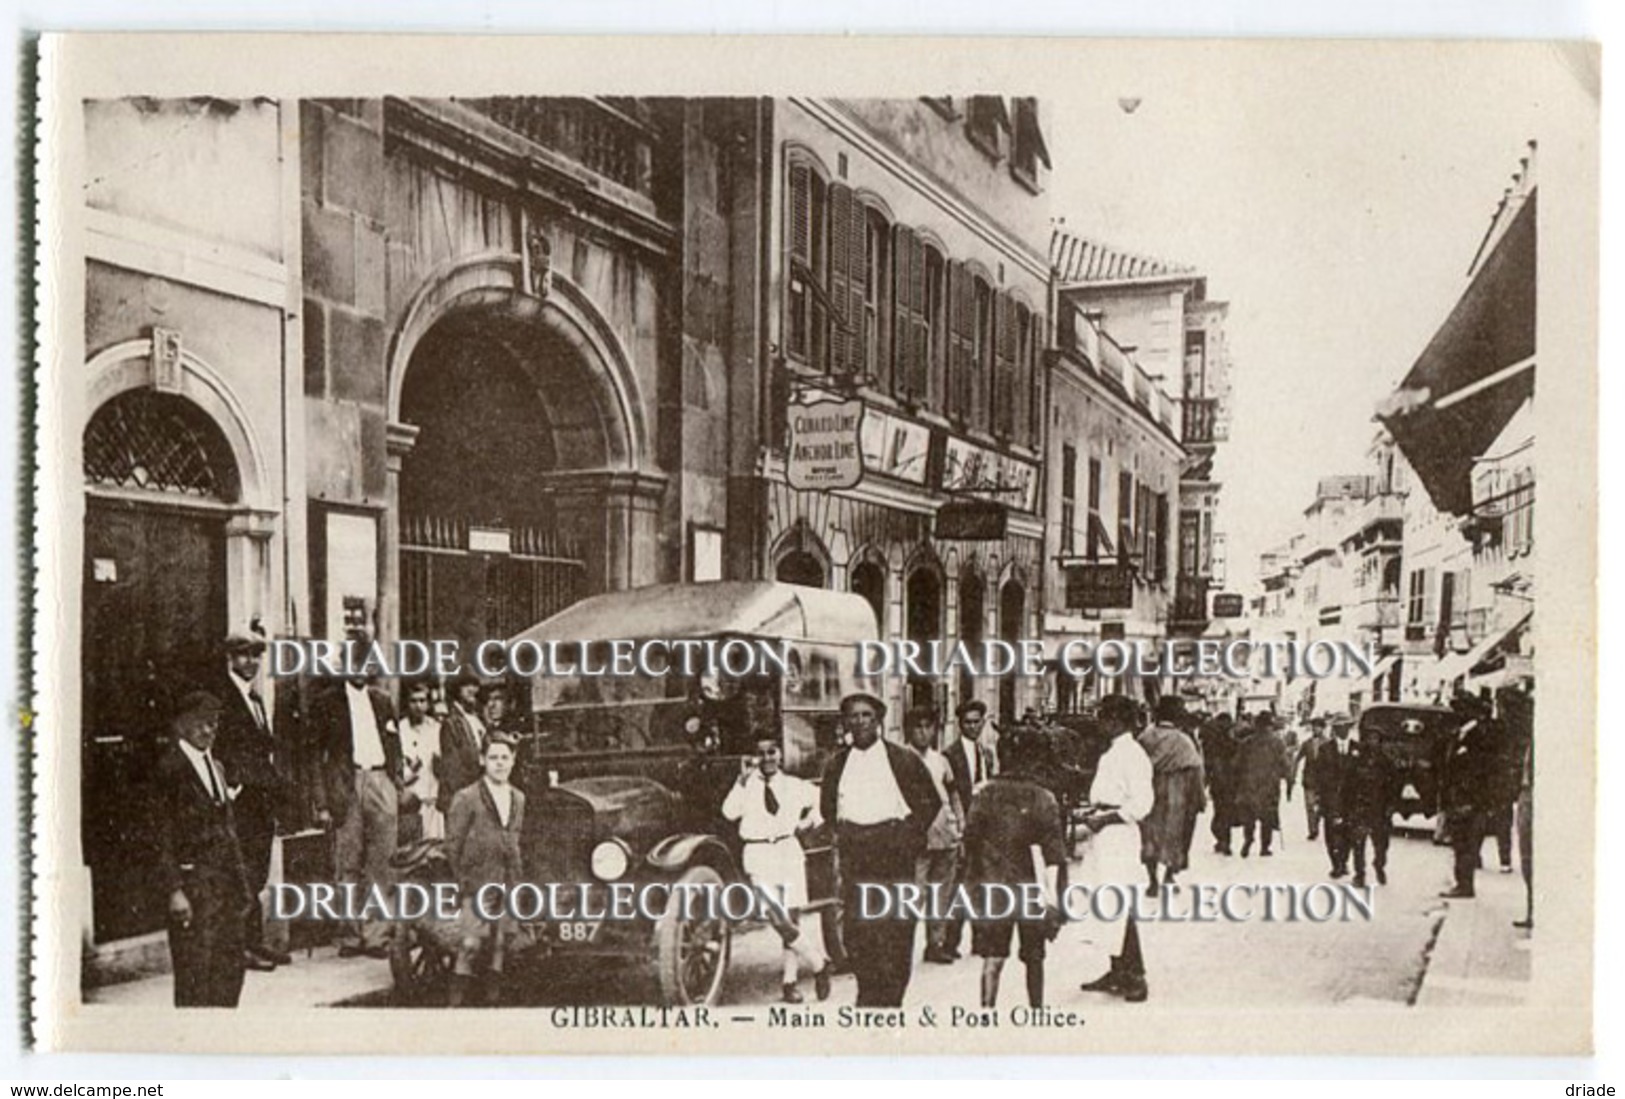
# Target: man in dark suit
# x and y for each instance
(1330, 770)
(1370, 791)
(358, 761)
(881, 801)
(462, 736)
(971, 762)
(198, 861)
(1467, 789)
(482, 844)
(256, 772)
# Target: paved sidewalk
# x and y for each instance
(1479, 958)
(317, 979)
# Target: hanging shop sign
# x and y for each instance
(1099, 586)
(970, 469)
(972, 520)
(826, 445)
(1227, 605)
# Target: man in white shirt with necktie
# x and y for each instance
(772, 809)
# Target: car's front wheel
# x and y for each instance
(692, 943)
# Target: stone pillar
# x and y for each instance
(615, 516)
(399, 439)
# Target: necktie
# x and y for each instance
(769, 798)
(259, 708)
(976, 753)
(214, 784)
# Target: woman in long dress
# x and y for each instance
(1176, 776)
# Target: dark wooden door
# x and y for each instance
(154, 620)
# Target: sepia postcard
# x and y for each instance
(808, 545)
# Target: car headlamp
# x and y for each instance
(610, 860)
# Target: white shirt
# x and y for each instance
(366, 742)
(420, 750)
(747, 804)
(203, 763)
(1123, 780)
(503, 796)
(869, 793)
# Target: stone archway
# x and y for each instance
(518, 433)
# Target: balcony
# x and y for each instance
(1190, 600)
(1200, 420)
(1380, 613)
(607, 139)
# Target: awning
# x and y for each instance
(1456, 665)
(1474, 374)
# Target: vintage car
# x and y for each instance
(625, 775)
(1413, 736)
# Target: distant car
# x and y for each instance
(1414, 737)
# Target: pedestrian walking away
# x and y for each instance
(1014, 836)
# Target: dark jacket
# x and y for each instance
(1469, 781)
(1370, 788)
(1327, 774)
(332, 746)
(255, 759)
(1261, 764)
(459, 762)
(964, 780)
(913, 780)
(480, 849)
(194, 838)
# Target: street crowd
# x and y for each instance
(1111, 798)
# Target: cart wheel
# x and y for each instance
(691, 955)
(418, 964)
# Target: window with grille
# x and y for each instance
(159, 442)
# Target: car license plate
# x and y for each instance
(576, 932)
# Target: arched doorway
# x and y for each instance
(1012, 612)
(800, 567)
(482, 554)
(161, 482)
(922, 614)
(972, 624)
(869, 580)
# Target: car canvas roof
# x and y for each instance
(751, 608)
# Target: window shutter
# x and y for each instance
(1004, 380)
(964, 299)
(920, 382)
(856, 304)
(799, 248)
(841, 335)
(902, 296)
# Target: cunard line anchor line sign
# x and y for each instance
(826, 448)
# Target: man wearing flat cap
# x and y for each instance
(198, 861)
(256, 771)
(881, 800)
